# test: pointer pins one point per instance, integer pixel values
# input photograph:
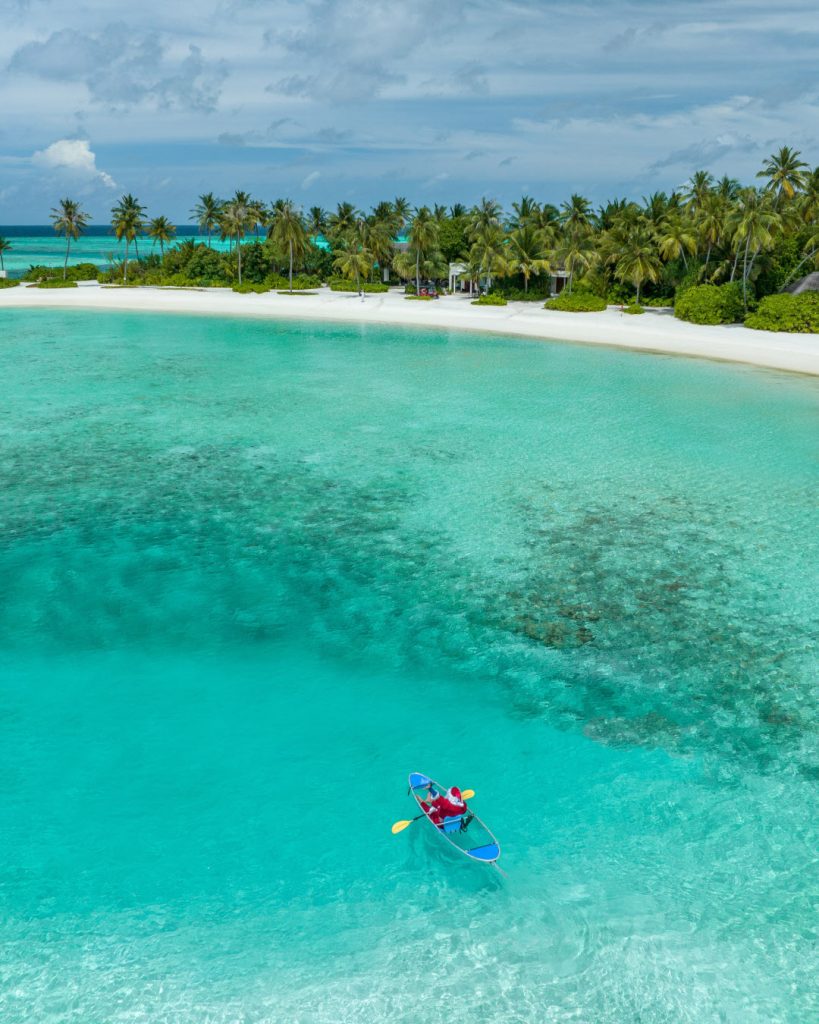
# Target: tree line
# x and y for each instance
(707, 231)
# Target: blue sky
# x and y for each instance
(322, 100)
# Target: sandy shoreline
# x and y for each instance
(656, 331)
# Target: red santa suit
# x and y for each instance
(446, 805)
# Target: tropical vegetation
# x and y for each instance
(712, 248)
(69, 220)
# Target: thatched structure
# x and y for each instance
(809, 283)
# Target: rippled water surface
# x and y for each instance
(251, 574)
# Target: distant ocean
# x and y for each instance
(39, 245)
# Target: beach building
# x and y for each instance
(459, 283)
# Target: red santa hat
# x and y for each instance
(454, 794)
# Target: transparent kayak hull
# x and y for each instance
(473, 840)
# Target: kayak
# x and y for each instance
(467, 834)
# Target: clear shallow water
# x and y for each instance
(42, 247)
(251, 574)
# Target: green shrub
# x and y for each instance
(489, 300)
(791, 313)
(300, 281)
(620, 294)
(6, 282)
(79, 272)
(576, 302)
(710, 304)
(301, 291)
(512, 288)
(338, 284)
(421, 298)
(248, 287)
(658, 301)
(633, 309)
(56, 284)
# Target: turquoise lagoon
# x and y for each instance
(41, 246)
(253, 573)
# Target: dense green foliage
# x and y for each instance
(339, 284)
(489, 300)
(577, 302)
(633, 309)
(710, 233)
(711, 304)
(56, 283)
(79, 272)
(6, 282)
(793, 313)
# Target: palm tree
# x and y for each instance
(287, 231)
(527, 212)
(528, 253)
(785, 173)
(457, 210)
(576, 250)
(376, 238)
(238, 216)
(207, 212)
(423, 239)
(5, 245)
(342, 221)
(162, 231)
(697, 189)
(134, 210)
(488, 252)
(127, 222)
(487, 214)
(316, 221)
(637, 260)
(711, 222)
(403, 210)
(70, 220)
(353, 261)
(675, 238)
(577, 213)
(755, 223)
(727, 187)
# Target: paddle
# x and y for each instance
(399, 826)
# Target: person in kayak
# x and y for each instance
(443, 805)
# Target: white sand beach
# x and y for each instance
(655, 331)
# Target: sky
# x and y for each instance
(363, 100)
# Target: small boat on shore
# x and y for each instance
(466, 833)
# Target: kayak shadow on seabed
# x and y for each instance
(443, 866)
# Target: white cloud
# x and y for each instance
(311, 178)
(74, 156)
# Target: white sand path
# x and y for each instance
(655, 331)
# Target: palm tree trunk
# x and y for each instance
(291, 266)
(125, 265)
(239, 253)
(638, 292)
(787, 282)
(417, 271)
(745, 274)
(734, 267)
(67, 250)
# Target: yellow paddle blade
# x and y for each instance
(399, 826)
(468, 794)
